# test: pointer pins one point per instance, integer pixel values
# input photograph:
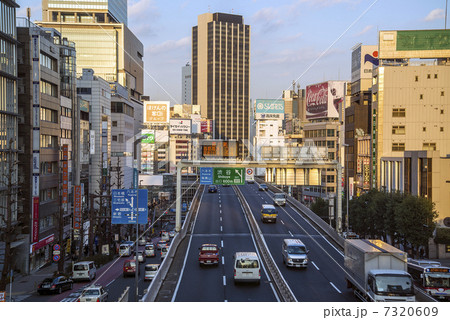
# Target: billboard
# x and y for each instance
(156, 111)
(180, 126)
(150, 136)
(269, 109)
(323, 99)
(364, 58)
(219, 149)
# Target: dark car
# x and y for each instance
(263, 187)
(212, 188)
(55, 285)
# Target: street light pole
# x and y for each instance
(346, 186)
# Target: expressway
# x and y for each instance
(221, 220)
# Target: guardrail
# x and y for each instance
(155, 286)
(280, 284)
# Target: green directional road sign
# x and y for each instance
(229, 176)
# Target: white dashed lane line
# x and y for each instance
(315, 265)
(224, 280)
(332, 284)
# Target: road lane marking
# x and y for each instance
(315, 265)
(282, 221)
(220, 211)
(335, 287)
(220, 219)
(221, 228)
(291, 234)
(224, 280)
(221, 243)
(223, 260)
(110, 283)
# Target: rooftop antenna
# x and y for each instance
(29, 13)
(446, 3)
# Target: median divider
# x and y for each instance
(155, 286)
(277, 279)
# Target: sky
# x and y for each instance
(309, 41)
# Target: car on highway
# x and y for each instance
(129, 268)
(212, 188)
(247, 267)
(208, 254)
(149, 250)
(161, 244)
(250, 181)
(263, 187)
(294, 253)
(165, 235)
(279, 199)
(142, 241)
(151, 270)
(172, 233)
(268, 213)
(95, 293)
(55, 285)
(164, 251)
(140, 257)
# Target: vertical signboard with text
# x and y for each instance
(156, 111)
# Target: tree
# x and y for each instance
(415, 219)
(320, 207)
(8, 225)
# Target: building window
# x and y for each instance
(442, 111)
(48, 141)
(48, 62)
(398, 112)
(398, 130)
(428, 76)
(417, 78)
(114, 138)
(435, 76)
(398, 146)
(424, 129)
(49, 88)
(442, 93)
(114, 123)
(442, 129)
(84, 90)
(421, 97)
(429, 146)
(49, 115)
(330, 132)
(447, 248)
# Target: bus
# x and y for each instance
(430, 276)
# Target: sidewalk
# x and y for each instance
(25, 285)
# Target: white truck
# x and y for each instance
(376, 271)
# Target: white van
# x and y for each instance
(294, 253)
(125, 249)
(247, 267)
(84, 270)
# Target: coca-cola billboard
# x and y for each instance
(323, 99)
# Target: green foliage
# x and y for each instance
(442, 235)
(320, 207)
(407, 218)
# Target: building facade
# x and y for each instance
(103, 41)
(9, 145)
(221, 75)
(411, 116)
(186, 84)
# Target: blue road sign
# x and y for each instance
(206, 175)
(124, 206)
(56, 258)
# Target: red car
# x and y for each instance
(129, 267)
(209, 254)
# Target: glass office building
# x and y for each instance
(85, 11)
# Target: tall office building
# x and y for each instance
(186, 84)
(103, 41)
(221, 75)
(8, 127)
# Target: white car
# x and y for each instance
(140, 256)
(172, 233)
(149, 250)
(150, 271)
(142, 241)
(94, 293)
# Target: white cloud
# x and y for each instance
(169, 45)
(435, 14)
(268, 19)
(141, 8)
(364, 31)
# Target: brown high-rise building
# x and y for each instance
(221, 75)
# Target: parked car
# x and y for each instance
(212, 188)
(263, 187)
(140, 257)
(94, 293)
(150, 271)
(208, 254)
(129, 268)
(149, 250)
(55, 285)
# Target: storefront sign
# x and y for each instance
(44, 242)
